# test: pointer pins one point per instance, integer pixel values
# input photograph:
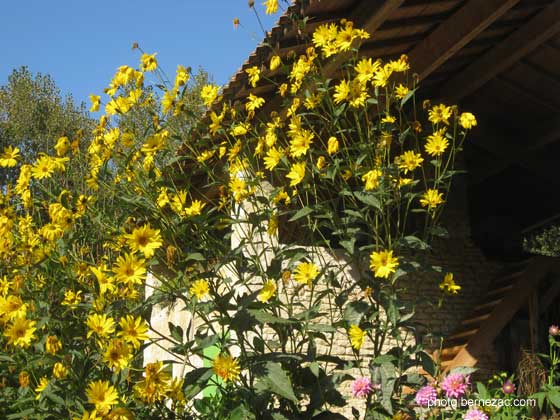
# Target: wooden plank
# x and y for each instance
(503, 313)
(538, 30)
(453, 34)
(422, 8)
(370, 14)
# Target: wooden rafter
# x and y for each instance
(454, 33)
(538, 30)
(481, 340)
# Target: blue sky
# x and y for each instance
(80, 43)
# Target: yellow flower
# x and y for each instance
(332, 146)
(372, 178)
(365, 69)
(60, 371)
(62, 146)
(117, 355)
(94, 99)
(12, 307)
(168, 100)
(254, 75)
(129, 269)
(253, 103)
(20, 332)
(382, 75)
(226, 367)
(182, 76)
(296, 174)
(324, 37)
(200, 289)
(448, 285)
(23, 379)
(300, 143)
(467, 120)
(268, 291)
(148, 62)
(271, 6)
(240, 130)
(208, 94)
(53, 344)
(341, 91)
(144, 239)
(238, 187)
(305, 273)
(100, 325)
(275, 62)
(383, 264)
(195, 208)
(272, 158)
(133, 330)
(437, 143)
(431, 198)
(155, 383)
(41, 386)
(439, 113)
(357, 336)
(401, 91)
(321, 162)
(283, 89)
(8, 158)
(72, 299)
(44, 167)
(409, 161)
(401, 65)
(102, 395)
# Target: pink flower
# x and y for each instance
(426, 396)
(554, 330)
(508, 387)
(455, 385)
(475, 414)
(362, 387)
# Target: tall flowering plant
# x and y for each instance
(282, 235)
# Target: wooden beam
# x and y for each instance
(479, 342)
(538, 30)
(453, 34)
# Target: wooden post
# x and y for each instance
(534, 320)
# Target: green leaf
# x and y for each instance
(414, 242)
(277, 381)
(368, 198)
(21, 414)
(348, 245)
(314, 368)
(482, 391)
(301, 213)
(195, 256)
(407, 97)
(427, 363)
(176, 332)
(554, 397)
(266, 318)
(354, 311)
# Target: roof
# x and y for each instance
(498, 58)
